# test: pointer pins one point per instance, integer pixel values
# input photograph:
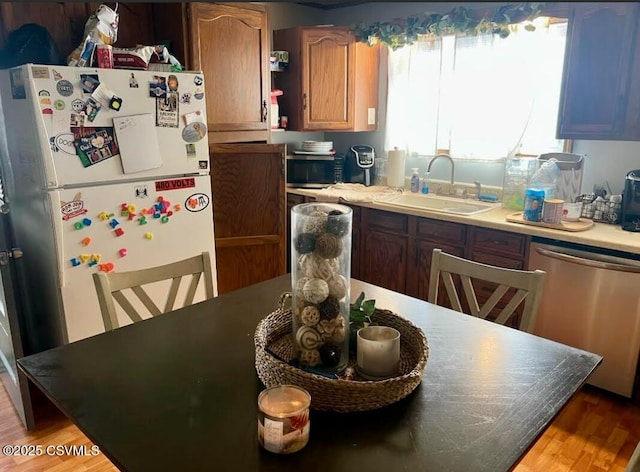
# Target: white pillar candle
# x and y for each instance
(378, 351)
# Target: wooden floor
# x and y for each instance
(596, 432)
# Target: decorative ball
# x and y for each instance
(329, 308)
(328, 246)
(314, 266)
(299, 285)
(315, 291)
(338, 335)
(310, 315)
(326, 328)
(337, 286)
(314, 222)
(330, 354)
(310, 357)
(308, 338)
(337, 223)
(305, 243)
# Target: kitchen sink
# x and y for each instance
(438, 203)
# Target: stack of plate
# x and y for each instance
(317, 146)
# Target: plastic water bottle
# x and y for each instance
(415, 180)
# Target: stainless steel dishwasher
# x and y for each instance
(591, 301)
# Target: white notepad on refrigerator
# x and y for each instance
(138, 142)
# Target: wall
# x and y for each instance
(286, 15)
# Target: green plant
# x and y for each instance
(459, 20)
(360, 311)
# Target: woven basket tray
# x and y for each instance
(273, 335)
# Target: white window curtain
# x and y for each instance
(479, 97)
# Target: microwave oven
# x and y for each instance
(314, 171)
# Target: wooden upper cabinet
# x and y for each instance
(600, 96)
(332, 81)
(229, 43)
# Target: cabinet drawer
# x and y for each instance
(441, 231)
(386, 221)
(499, 261)
(498, 242)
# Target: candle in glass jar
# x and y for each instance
(378, 352)
(283, 418)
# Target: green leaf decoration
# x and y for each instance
(459, 20)
(369, 307)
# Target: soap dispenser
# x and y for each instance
(415, 180)
(425, 183)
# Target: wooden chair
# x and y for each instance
(529, 286)
(111, 285)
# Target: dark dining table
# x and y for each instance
(179, 392)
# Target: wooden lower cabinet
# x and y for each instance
(249, 205)
(385, 243)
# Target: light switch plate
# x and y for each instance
(371, 116)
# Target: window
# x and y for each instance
(479, 97)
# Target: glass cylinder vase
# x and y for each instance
(320, 275)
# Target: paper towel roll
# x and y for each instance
(395, 168)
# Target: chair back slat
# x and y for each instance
(113, 286)
(513, 285)
(173, 294)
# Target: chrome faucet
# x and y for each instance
(450, 160)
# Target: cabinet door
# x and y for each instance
(249, 213)
(229, 45)
(327, 79)
(384, 260)
(64, 21)
(597, 67)
(419, 271)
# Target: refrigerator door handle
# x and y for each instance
(54, 204)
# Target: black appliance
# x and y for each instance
(359, 166)
(309, 170)
(631, 201)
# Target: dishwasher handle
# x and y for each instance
(587, 262)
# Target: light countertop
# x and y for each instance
(600, 235)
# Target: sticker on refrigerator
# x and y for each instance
(56, 75)
(204, 165)
(64, 88)
(39, 72)
(194, 132)
(193, 117)
(91, 108)
(199, 93)
(167, 111)
(73, 208)
(94, 145)
(197, 80)
(17, 84)
(64, 142)
(197, 202)
(106, 97)
(77, 105)
(191, 150)
(141, 191)
(133, 82)
(77, 120)
(172, 82)
(175, 184)
(59, 105)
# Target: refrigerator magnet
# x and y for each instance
(193, 117)
(194, 132)
(59, 105)
(198, 80)
(64, 88)
(77, 105)
(94, 145)
(158, 87)
(89, 83)
(191, 149)
(186, 98)
(103, 95)
(172, 82)
(56, 75)
(167, 111)
(197, 202)
(40, 72)
(133, 82)
(91, 108)
(204, 165)
(199, 93)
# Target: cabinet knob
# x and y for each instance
(264, 110)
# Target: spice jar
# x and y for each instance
(320, 275)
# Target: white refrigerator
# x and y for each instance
(104, 169)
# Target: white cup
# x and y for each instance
(378, 354)
(571, 211)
